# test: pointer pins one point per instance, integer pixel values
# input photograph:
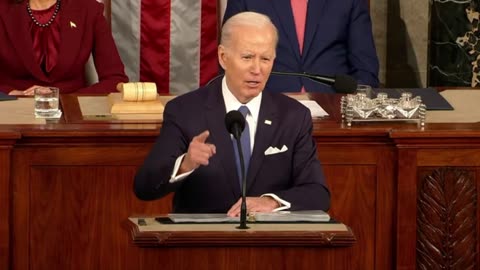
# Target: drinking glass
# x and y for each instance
(46, 102)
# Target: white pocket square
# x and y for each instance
(274, 150)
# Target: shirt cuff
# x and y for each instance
(174, 177)
(284, 205)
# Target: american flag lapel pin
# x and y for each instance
(72, 25)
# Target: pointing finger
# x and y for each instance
(202, 137)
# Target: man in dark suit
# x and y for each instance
(326, 37)
(194, 154)
(48, 43)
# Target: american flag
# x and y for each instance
(170, 42)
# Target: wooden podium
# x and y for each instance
(223, 246)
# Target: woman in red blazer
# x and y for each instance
(48, 43)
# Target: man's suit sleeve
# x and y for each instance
(362, 54)
(108, 64)
(309, 190)
(152, 179)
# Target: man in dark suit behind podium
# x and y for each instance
(326, 37)
(194, 153)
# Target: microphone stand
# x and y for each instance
(235, 124)
(243, 209)
(342, 83)
(316, 78)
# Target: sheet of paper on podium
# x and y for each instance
(315, 109)
(293, 216)
(281, 216)
(202, 218)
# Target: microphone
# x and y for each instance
(235, 123)
(342, 83)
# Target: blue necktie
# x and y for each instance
(245, 141)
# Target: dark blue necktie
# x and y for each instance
(245, 141)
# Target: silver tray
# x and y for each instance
(361, 108)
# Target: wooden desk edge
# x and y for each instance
(238, 238)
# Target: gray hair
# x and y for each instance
(247, 18)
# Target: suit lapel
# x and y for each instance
(215, 107)
(72, 27)
(287, 25)
(266, 127)
(17, 18)
(314, 12)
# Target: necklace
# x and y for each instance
(47, 24)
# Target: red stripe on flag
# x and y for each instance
(208, 41)
(155, 43)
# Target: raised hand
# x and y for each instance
(199, 152)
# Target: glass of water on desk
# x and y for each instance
(46, 102)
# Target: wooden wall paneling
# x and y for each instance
(405, 252)
(449, 181)
(463, 155)
(385, 207)
(437, 204)
(240, 258)
(7, 140)
(79, 209)
(5, 206)
(69, 202)
(353, 189)
(447, 208)
(20, 207)
(360, 178)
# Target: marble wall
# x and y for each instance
(454, 43)
(378, 13)
(400, 30)
(427, 43)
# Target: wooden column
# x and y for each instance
(7, 140)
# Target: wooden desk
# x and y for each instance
(68, 187)
(222, 246)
